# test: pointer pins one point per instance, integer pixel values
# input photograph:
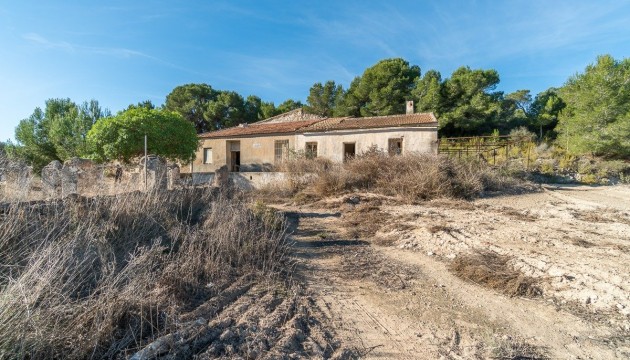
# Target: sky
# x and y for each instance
(124, 52)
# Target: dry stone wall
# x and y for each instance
(84, 177)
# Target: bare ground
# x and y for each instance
(386, 288)
(376, 279)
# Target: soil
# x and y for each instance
(386, 288)
(378, 279)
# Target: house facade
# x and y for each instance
(258, 146)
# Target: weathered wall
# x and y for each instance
(51, 179)
(242, 180)
(84, 177)
(16, 181)
(257, 153)
(330, 144)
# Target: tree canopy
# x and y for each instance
(597, 115)
(382, 89)
(322, 99)
(590, 113)
(56, 133)
(122, 137)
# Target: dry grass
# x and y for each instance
(413, 177)
(492, 270)
(100, 277)
(510, 349)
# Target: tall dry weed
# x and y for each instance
(412, 177)
(97, 277)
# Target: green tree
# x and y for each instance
(322, 99)
(288, 105)
(470, 107)
(381, 90)
(515, 111)
(142, 104)
(122, 136)
(428, 92)
(545, 109)
(596, 119)
(191, 101)
(56, 133)
(226, 110)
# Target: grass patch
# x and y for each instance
(493, 271)
(513, 349)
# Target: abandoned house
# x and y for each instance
(258, 146)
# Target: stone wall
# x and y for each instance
(84, 177)
(16, 180)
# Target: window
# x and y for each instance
(349, 150)
(311, 150)
(281, 150)
(394, 146)
(207, 155)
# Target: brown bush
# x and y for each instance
(95, 277)
(492, 270)
(412, 177)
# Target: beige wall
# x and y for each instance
(330, 144)
(257, 153)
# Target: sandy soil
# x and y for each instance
(388, 293)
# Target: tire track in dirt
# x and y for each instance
(433, 314)
(250, 319)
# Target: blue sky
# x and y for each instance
(122, 52)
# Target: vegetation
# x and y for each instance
(589, 115)
(381, 90)
(122, 136)
(107, 275)
(597, 116)
(56, 133)
(209, 109)
(412, 177)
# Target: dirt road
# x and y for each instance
(398, 299)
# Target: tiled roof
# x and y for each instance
(347, 123)
(328, 124)
(259, 129)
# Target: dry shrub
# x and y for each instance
(364, 221)
(412, 177)
(97, 277)
(492, 270)
(509, 348)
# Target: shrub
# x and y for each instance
(413, 176)
(90, 278)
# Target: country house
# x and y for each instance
(258, 146)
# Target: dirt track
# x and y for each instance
(400, 301)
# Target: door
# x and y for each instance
(235, 157)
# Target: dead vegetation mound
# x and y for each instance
(100, 277)
(412, 177)
(493, 271)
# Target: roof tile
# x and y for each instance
(327, 124)
(348, 123)
(259, 129)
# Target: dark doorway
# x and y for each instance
(235, 157)
(348, 151)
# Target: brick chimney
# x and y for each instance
(409, 107)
